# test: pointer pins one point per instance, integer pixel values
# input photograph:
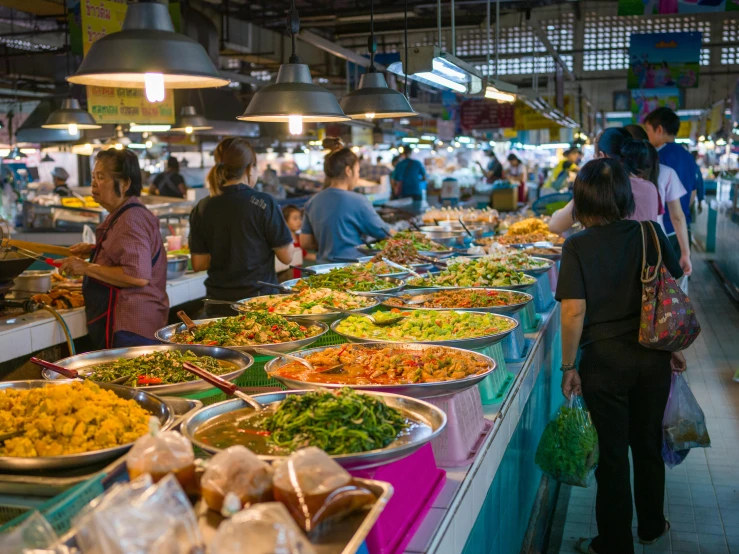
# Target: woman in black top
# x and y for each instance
(625, 385)
(237, 232)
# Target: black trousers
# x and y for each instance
(625, 387)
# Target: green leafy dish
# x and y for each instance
(250, 328)
(482, 272)
(418, 240)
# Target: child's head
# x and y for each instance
(661, 125)
(293, 217)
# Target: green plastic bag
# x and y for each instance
(568, 448)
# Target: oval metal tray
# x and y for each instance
(522, 287)
(152, 404)
(511, 309)
(414, 390)
(430, 253)
(325, 268)
(84, 363)
(166, 333)
(466, 344)
(396, 285)
(539, 270)
(401, 274)
(328, 317)
(429, 420)
(553, 257)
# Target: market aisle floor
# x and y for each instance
(702, 496)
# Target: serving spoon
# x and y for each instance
(189, 323)
(379, 322)
(74, 374)
(229, 389)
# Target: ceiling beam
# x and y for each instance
(541, 34)
(336, 50)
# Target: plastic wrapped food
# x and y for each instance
(315, 489)
(262, 529)
(160, 453)
(236, 470)
(683, 425)
(568, 448)
(140, 518)
(33, 533)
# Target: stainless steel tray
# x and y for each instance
(511, 309)
(341, 537)
(84, 363)
(539, 270)
(430, 253)
(414, 390)
(326, 318)
(49, 483)
(522, 287)
(467, 344)
(166, 333)
(430, 422)
(325, 268)
(401, 275)
(153, 404)
(394, 285)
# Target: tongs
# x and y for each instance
(29, 254)
(283, 290)
(73, 373)
(401, 267)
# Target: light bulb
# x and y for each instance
(449, 149)
(72, 128)
(369, 115)
(188, 130)
(149, 144)
(118, 146)
(295, 124)
(154, 83)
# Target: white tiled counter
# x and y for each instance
(28, 333)
(503, 495)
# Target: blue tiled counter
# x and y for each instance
(485, 507)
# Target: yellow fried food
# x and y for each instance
(529, 225)
(57, 420)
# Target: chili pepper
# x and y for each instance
(275, 328)
(271, 309)
(146, 380)
(255, 432)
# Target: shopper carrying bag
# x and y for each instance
(668, 320)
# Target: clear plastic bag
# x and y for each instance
(236, 470)
(140, 518)
(34, 533)
(160, 453)
(315, 489)
(683, 425)
(568, 448)
(261, 529)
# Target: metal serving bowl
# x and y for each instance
(414, 390)
(85, 363)
(394, 285)
(539, 270)
(477, 230)
(176, 266)
(328, 317)
(152, 404)
(325, 268)
(166, 333)
(427, 422)
(511, 309)
(446, 237)
(475, 343)
(524, 287)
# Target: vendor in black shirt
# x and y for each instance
(170, 182)
(625, 385)
(236, 233)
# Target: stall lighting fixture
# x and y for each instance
(136, 146)
(464, 140)
(500, 91)
(136, 128)
(294, 99)
(701, 138)
(70, 117)
(432, 66)
(449, 149)
(409, 140)
(47, 159)
(190, 121)
(720, 142)
(428, 137)
(147, 53)
(15, 154)
(424, 146)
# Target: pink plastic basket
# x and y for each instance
(465, 430)
(554, 276)
(416, 482)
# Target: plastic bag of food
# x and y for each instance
(683, 425)
(236, 470)
(159, 453)
(315, 489)
(568, 448)
(33, 533)
(261, 529)
(140, 517)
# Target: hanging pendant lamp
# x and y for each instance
(190, 120)
(294, 99)
(71, 117)
(373, 99)
(147, 53)
(47, 159)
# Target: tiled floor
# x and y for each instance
(702, 497)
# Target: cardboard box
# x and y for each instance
(505, 199)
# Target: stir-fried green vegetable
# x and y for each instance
(419, 241)
(355, 277)
(309, 301)
(341, 422)
(157, 368)
(516, 259)
(427, 326)
(247, 329)
(482, 272)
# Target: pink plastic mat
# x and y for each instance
(416, 482)
(554, 277)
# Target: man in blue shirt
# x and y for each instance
(409, 177)
(662, 126)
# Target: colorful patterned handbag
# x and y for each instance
(668, 320)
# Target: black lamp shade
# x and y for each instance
(192, 120)
(70, 114)
(375, 100)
